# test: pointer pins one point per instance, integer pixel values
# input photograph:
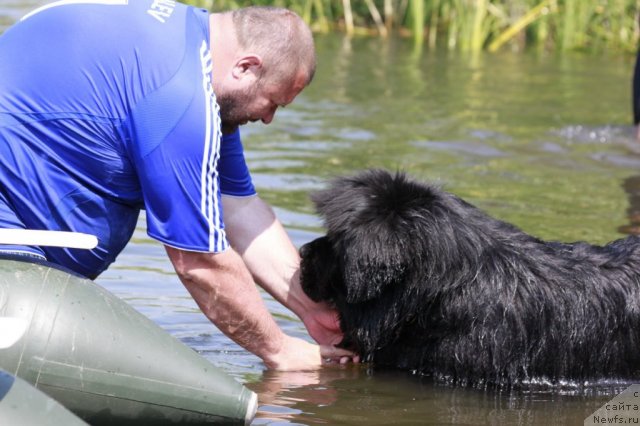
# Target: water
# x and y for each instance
(540, 140)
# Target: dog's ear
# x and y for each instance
(371, 265)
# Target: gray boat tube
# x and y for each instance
(22, 404)
(103, 360)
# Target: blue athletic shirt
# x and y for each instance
(106, 108)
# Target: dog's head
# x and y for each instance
(368, 242)
(378, 241)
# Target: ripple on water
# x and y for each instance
(609, 134)
(473, 148)
(293, 182)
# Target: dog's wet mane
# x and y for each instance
(425, 281)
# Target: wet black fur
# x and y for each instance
(427, 282)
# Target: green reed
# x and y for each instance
(473, 24)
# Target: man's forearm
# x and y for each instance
(274, 263)
(266, 249)
(224, 291)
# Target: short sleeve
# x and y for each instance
(175, 147)
(235, 178)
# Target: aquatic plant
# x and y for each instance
(473, 24)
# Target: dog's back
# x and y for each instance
(425, 281)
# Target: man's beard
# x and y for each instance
(233, 111)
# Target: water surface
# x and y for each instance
(538, 139)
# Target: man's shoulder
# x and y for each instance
(142, 22)
(160, 11)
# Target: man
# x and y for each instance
(109, 107)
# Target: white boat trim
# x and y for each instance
(30, 237)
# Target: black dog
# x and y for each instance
(424, 281)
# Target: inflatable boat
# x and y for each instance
(22, 404)
(103, 360)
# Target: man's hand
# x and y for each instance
(297, 354)
(323, 324)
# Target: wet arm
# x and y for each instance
(255, 232)
(223, 289)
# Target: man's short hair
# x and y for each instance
(280, 36)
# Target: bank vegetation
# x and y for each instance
(472, 24)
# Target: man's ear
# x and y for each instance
(247, 66)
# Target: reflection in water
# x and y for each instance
(541, 141)
(631, 187)
(356, 395)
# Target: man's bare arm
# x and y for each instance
(273, 260)
(223, 289)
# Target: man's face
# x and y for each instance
(234, 108)
(258, 101)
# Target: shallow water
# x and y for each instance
(540, 140)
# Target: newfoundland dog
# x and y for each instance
(424, 281)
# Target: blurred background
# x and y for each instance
(522, 107)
